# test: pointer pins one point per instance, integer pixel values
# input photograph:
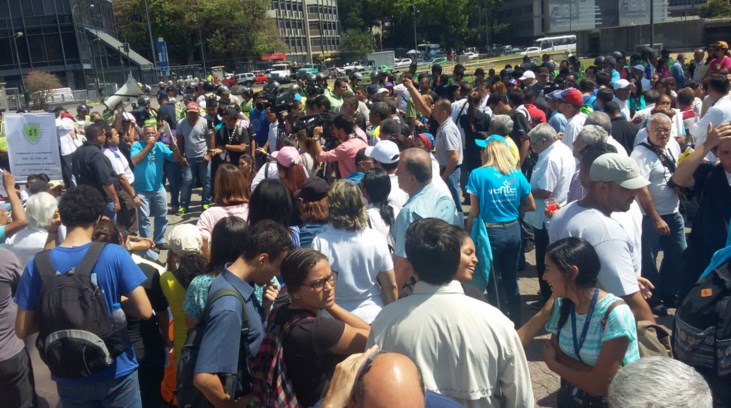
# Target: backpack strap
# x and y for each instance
(611, 307)
(46, 269)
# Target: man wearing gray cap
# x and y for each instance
(613, 183)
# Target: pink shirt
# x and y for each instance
(344, 154)
(716, 64)
(211, 216)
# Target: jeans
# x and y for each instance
(174, 173)
(201, 170)
(667, 278)
(153, 204)
(541, 239)
(16, 381)
(109, 211)
(127, 215)
(506, 247)
(453, 184)
(118, 392)
(68, 176)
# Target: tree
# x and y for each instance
(352, 14)
(715, 9)
(40, 84)
(357, 43)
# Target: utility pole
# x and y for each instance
(652, 23)
(416, 42)
(20, 69)
(153, 51)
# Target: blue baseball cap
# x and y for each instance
(482, 143)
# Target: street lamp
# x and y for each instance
(17, 35)
(413, 7)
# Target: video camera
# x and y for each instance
(310, 122)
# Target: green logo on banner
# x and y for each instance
(32, 132)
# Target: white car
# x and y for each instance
(472, 55)
(402, 63)
(530, 50)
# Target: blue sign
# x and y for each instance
(162, 56)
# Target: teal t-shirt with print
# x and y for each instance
(621, 323)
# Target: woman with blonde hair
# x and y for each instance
(366, 281)
(230, 199)
(499, 193)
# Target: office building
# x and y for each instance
(309, 28)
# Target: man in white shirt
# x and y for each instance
(467, 349)
(385, 154)
(402, 94)
(551, 178)
(613, 182)
(665, 230)
(641, 115)
(128, 200)
(621, 94)
(68, 142)
(570, 105)
(449, 151)
(719, 111)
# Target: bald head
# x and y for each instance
(392, 380)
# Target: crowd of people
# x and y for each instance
(359, 244)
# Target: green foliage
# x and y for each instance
(230, 29)
(715, 9)
(357, 43)
(352, 14)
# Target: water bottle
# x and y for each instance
(119, 320)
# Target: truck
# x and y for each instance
(381, 58)
(280, 73)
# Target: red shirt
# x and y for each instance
(717, 64)
(537, 116)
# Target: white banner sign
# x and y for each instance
(33, 145)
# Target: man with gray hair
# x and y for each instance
(663, 227)
(589, 135)
(550, 179)
(603, 120)
(448, 149)
(425, 201)
(502, 125)
(659, 382)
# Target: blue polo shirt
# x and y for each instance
(117, 275)
(219, 351)
(148, 173)
(427, 202)
(260, 125)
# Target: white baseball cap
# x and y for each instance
(527, 75)
(385, 152)
(621, 84)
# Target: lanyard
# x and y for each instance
(578, 345)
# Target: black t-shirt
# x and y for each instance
(236, 136)
(472, 132)
(145, 334)
(625, 133)
(710, 226)
(307, 355)
(92, 168)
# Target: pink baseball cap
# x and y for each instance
(287, 156)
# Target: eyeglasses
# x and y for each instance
(660, 130)
(319, 284)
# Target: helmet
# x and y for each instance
(294, 88)
(82, 108)
(161, 84)
(310, 77)
(320, 76)
(223, 89)
(648, 50)
(617, 54)
(356, 77)
(143, 100)
(172, 88)
(247, 91)
(272, 86)
(208, 86)
(147, 89)
(436, 68)
(459, 68)
(599, 60)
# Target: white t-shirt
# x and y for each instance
(402, 97)
(553, 172)
(612, 243)
(27, 243)
(119, 164)
(272, 137)
(376, 222)
(631, 221)
(358, 257)
(268, 171)
(719, 113)
(67, 142)
(666, 200)
(573, 127)
(620, 149)
(397, 197)
(623, 107)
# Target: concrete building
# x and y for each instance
(528, 19)
(310, 28)
(74, 39)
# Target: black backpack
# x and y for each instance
(702, 335)
(188, 395)
(77, 335)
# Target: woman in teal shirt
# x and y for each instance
(593, 333)
(499, 192)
